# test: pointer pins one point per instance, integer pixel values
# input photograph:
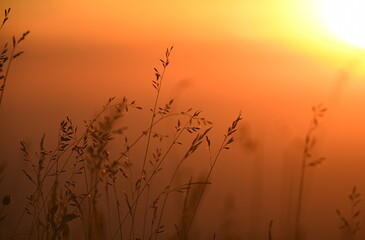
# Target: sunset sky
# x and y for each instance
(271, 59)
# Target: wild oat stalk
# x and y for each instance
(351, 225)
(6, 59)
(227, 140)
(51, 201)
(310, 142)
(140, 187)
(157, 84)
(200, 137)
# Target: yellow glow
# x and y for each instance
(345, 19)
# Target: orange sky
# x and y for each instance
(271, 59)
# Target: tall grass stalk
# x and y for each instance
(310, 142)
(7, 58)
(351, 225)
(141, 187)
(227, 140)
(157, 84)
(194, 145)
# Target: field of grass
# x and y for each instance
(105, 180)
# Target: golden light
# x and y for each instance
(345, 19)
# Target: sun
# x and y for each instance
(345, 19)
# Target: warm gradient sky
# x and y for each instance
(271, 59)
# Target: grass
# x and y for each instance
(7, 58)
(86, 188)
(73, 181)
(310, 143)
(351, 225)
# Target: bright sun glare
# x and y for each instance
(345, 19)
